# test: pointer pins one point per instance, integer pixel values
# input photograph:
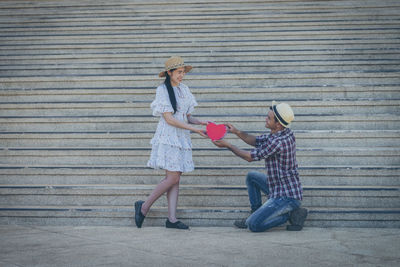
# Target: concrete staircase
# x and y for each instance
(77, 79)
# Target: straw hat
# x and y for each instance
(174, 63)
(283, 112)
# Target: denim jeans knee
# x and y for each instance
(273, 213)
(254, 175)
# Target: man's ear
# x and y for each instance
(281, 128)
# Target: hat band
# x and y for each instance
(279, 116)
(170, 67)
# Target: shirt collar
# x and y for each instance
(284, 131)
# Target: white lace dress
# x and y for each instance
(172, 146)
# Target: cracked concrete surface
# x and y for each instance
(201, 246)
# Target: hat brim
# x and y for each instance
(187, 69)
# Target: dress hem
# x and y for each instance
(163, 168)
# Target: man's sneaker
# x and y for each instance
(297, 219)
(241, 224)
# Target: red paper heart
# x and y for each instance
(216, 132)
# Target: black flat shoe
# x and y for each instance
(297, 219)
(139, 217)
(176, 225)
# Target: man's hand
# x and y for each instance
(231, 128)
(221, 143)
(237, 151)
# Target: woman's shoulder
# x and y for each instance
(161, 87)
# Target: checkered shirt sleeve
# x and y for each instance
(265, 147)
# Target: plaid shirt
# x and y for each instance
(279, 152)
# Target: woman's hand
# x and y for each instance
(202, 133)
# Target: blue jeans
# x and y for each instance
(274, 212)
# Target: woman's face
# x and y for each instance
(177, 76)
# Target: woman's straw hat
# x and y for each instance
(174, 63)
(283, 112)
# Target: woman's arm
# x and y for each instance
(169, 118)
(193, 120)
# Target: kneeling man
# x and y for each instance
(281, 182)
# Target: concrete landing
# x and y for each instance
(201, 246)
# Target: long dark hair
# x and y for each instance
(171, 93)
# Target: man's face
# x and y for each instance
(270, 122)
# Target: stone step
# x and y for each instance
(210, 21)
(207, 216)
(156, 5)
(205, 79)
(217, 31)
(213, 20)
(280, 56)
(254, 76)
(192, 49)
(211, 107)
(188, 7)
(303, 41)
(129, 93)
(190, 195)
(126, 68)
(209, 54)
(215, 26)
(349, 12)
(281, 12)
(149, 123)
(276, 57)
(164, 21)
(371, 175)
(393, 67)
(305, 37)
(141, 33)
(384, 156)
(340, 138)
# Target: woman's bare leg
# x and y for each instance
(165, 185)
(172, 196)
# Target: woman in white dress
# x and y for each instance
(171, 144)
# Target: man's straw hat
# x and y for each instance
(283, 112)
(174, 63)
